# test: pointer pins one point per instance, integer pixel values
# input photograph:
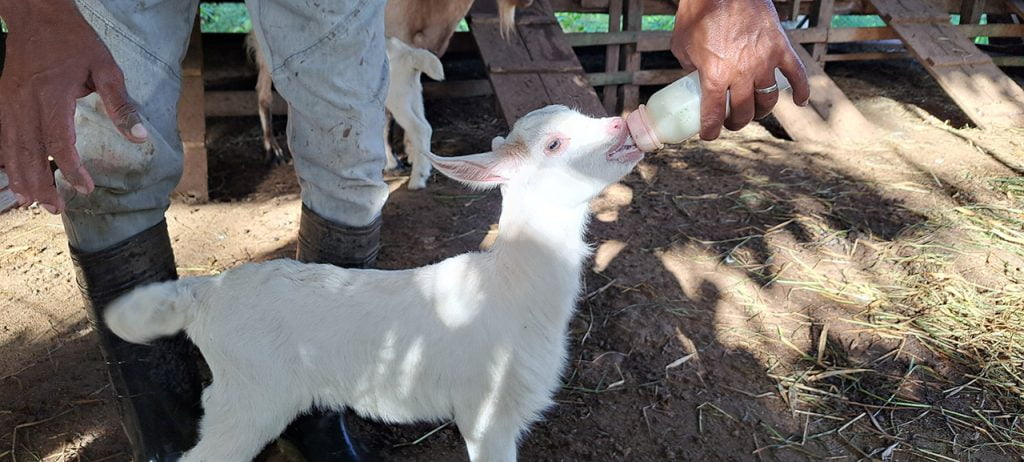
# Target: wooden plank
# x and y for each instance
(587, 39)
(654, 41)
(535, 67)
(192, 122)
(990, 98)
(867, 56)
(909, 12)
(939, 44)
(517, 94)
(539, 67)
(971, 10)
(632, 20)
(821, 16)
(830, 116)
(610, 93)
(658, 77)
(1008, 61)
(547, 44)
(809, 35)
(972, 80)
(1016, 7)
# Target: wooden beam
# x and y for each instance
(809, 35)
(192, 121)
(821, 16)
(610, 93)
(587, 39)
(829, 117)
(867, 56)
(1008, 61)
(990, 98)
(632, 20)
(1016, 7)
(971, 10)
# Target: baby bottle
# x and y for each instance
(673, 113)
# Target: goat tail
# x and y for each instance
(152, 311)
(428, 63)
(506, 18)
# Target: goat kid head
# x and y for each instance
(554, 154)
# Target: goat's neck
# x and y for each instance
(537, 239)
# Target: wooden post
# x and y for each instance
(794, 12)
(610, 93)
(633, 16)
(192, 121)
(971, 10)
(821, 16)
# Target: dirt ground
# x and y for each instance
(722, 271)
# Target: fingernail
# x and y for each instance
(21, 199)
(139, 131)
(82, 189)
(49, 208)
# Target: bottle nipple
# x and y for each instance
(640, 129)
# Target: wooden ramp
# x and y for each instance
(535, 66)
(829, 117)
(967, 74)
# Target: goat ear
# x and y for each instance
(485, 170)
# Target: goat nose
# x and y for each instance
(616, 124)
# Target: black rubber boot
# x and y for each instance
(157, 385)
(323, 241)
(323, 436)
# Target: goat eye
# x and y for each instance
(554, 144)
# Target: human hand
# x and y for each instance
(735, 46)
(53, 58)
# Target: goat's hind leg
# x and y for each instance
(265, 97)
(237, 424)
(410, 116)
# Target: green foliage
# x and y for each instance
(224, 17)
(234, 18)
(857, 20)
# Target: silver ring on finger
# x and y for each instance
(767, 90)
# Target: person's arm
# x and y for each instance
(735, 45)
(53, 57)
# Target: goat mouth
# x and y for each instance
(625, 151)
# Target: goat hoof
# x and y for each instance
(278, 157)
(417, 184)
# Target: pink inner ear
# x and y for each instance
(470, 171)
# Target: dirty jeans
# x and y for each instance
(328, 62)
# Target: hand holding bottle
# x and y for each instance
(736, 46)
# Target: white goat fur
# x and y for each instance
(405, 103)
(479, 337)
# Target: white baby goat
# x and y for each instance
(480, 337)
(404, 102)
